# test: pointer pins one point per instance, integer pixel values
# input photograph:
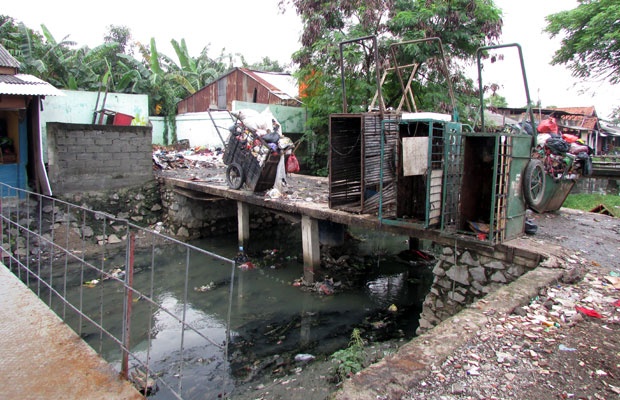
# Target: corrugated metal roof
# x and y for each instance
(26, 85)
(280, 84)
(6, 59)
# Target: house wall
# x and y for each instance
(13, 167)
(199, 129)
(77, 107)
(85, 157)
(292, 119)
(238, 85)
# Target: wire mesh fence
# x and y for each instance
(104, 276)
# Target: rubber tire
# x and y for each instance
(534, 183)
(235, 176)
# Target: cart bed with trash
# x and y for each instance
(254, 152)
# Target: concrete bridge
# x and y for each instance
(467, 268)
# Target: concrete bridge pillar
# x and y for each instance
(311, 247)
(243, 224)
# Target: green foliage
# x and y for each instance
(495, 100)
(111, 66)
(587, 202)
(462, 25)
(351, 359)
(591, 39)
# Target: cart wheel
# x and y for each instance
(534, 183)
(234, 176)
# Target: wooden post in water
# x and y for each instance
(243, 224)
(311, 247)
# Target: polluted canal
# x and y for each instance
(278, 325)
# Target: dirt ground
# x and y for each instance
(564, 344)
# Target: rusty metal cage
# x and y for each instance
(355, 160)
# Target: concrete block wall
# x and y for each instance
(84, 157)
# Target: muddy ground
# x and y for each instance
(564, 344)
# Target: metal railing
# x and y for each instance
(69, 256)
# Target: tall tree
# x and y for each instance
(590, 45)
(462, 25)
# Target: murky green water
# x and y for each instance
(271, 319)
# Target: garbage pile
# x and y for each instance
(165, 158)
(564, 156)
(261, 134)
(553, 347)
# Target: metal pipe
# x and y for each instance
(525, 84)
(129, 302)
(377, 72)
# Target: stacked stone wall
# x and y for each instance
(462, 276)
(186, 218)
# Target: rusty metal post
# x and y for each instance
(129, 302)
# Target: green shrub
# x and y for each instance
(351, 359)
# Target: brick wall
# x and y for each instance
(98, 157)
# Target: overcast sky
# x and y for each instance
(256, 29)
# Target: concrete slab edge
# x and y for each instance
(49, 360)
(391, 377)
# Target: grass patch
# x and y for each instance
(587, 202)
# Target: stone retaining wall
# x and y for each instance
(187, 218)
(463, 276)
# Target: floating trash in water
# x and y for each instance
(304, 357)
(246, 266)
(92, 283)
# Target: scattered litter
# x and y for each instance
(304, 357)
(143, 382)
(205, 288)
(247, 266)
(588, 312)
(564, 348)
(92, 283)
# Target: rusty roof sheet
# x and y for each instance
(26, 85)
(6, 59)
(280, 84)
(583, 117)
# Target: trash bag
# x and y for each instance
(576, 148)
(557, 146)
(292, 165)
(285, 142)
(586, 163)
(527, 127)
(570, 138)
(548, 126)
(271, 137)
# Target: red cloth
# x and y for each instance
(588, 312)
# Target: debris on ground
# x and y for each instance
(564, 344)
